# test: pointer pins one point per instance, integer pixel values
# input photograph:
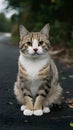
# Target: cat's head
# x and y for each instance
(34, 44)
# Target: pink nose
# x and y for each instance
(35, 49)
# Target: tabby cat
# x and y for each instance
(37, 86)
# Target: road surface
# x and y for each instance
(5, 37)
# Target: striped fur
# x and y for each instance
(37, 84)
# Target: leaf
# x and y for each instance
(69, 100)
(70, 106)
(70, 76)
(63, 77)
(53, 1)
(10, 103)
(71, 124)
(67, 92)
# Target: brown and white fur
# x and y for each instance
(37, 86)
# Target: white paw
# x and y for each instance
(22, 107)
(28, 112)
(46, 109)
(38, 112)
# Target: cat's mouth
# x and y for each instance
(35, 54)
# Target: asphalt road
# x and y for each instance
(5, 37)
(11, 118)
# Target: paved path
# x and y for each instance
(5, 37)
(11, 118)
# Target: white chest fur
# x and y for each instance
(32, 67)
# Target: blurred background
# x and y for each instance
(34, 14)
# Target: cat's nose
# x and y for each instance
(35, 49)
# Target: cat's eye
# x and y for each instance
(40, 43)
(29, 43)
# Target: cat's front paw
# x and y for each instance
(28, 112)
(22, 108)
(46, 109)
(38, 112)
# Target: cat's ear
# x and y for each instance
(23, 31)
(45, 30)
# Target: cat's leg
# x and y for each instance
(54, 96)
(38, 105)
(24, 97)
(39, 100)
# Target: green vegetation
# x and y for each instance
(34, 14)
(5, 24)
(71, 124)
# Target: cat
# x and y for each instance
(37, 87)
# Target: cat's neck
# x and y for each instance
(33, 66)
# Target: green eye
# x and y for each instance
(29, 43)
(40, 43)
